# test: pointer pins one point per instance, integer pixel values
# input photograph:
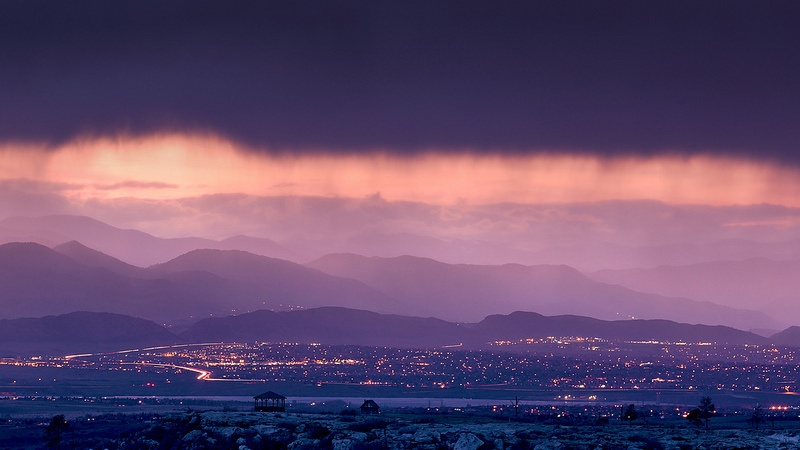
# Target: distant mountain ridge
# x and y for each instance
(132, 246)
(38, 281)
(609, 256)
(746, 279)
(279, 281)
(752, 296)
(468, 292)
(143, 249)
(757, 283)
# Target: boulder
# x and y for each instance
(468, 441)
(426, 437)
(305, 444)
(341, 443)
(228, 432)
(193, 435)
(549, 445)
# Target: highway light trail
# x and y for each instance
(203, 375)
(134, 350)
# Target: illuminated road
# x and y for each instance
(120, 352)
(202, 374)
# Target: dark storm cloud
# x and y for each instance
(593, 76)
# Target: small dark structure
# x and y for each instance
(270, 402)
(370, 407)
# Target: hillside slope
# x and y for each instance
(348, 326)
(79, 332)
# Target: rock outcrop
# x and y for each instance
(249, 430)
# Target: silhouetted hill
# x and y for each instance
(328, 325)
(259, 246)
(389, 245)
(276, 282)
(92, 258)
(79, 332)
(520, 325)
(37, 281)
(88, 331)
(789, 337)
(470, 292)
(348, 326)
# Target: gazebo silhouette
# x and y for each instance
(270, 402)
(370, 407)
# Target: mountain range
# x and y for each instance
(90, 332)
(332, 325)
(97, 267)
(133, 246)
(467, 292)
(143, 249)
(37, 281)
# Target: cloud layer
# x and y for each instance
(466, 130)
(622, 78)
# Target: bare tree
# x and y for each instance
(757, 417)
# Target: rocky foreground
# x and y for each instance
(250, 430)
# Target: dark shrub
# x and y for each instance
(288, 426)
(316, 431)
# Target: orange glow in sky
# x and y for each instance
(179, 166)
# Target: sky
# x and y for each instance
(528, 125)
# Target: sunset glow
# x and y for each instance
(172, 166)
